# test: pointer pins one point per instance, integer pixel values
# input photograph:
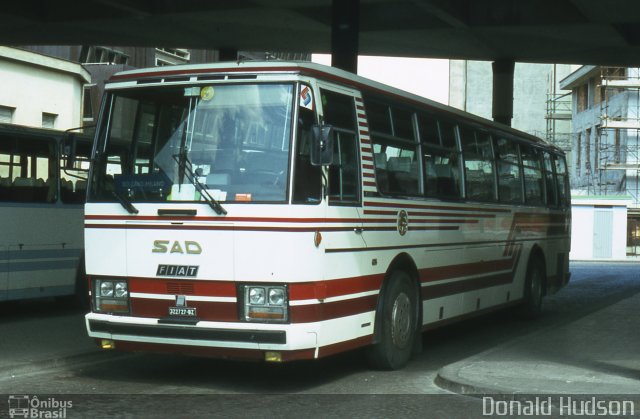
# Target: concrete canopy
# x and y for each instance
(542, 31)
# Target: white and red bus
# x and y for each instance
(284, 211)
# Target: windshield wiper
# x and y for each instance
(125, 202)
(185, 169)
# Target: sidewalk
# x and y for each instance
(597, 354)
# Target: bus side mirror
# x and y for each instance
(322, 143)
(68, 149)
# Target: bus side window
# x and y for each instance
(441, 158)
(344, 179)
(26, 170)
(533, 180)
(307, 186)
(550, 183)
(509, 179)
(562, 180)
(396, 160)
(479, 165)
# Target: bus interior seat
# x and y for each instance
(81, 186)
(22, 182)
(5, 188)
(27, 189)
(400, 177)
(380, 161)
(445, 185)
(399, 164)
(380, 164)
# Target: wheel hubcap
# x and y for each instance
(401, 321)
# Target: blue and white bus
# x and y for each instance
(41, 214)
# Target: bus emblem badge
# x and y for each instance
(403, 222)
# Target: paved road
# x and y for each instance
(49, 355)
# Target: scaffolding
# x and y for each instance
(617, 156)
(617, 148)
(559, 112)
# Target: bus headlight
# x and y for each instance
(111, 296)
(265, 303)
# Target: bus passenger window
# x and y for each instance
(479, 166)
(344, 179)
(533, 180)
(562, 180)
(397, 168)
(25, 170)
(441, 158)
(442, 172)
(307, 186)
(549, 180)
(509, 180)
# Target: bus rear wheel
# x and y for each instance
(531, 307)
(398, 324)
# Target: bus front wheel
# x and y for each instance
(398, 323)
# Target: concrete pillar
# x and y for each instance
(345, 27)
(503, 91)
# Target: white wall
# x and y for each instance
(582, 227)
(32, 84)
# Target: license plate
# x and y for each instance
(182, 311)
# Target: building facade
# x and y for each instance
(40, 91)
(471, 87)
(606, 140)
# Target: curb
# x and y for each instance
(448, 379)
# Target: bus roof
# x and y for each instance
(202, 72)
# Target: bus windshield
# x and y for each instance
(230, 142)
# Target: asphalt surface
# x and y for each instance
(595, 352)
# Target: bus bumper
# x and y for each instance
(271, 342)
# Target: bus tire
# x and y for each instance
(81, 295)
(398, 324)
(534, 284)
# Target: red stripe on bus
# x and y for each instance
(371, 212)
(466, 269)
(474, 284)
(206, 310)
(208, 288)
(196, 71)
(418, 206)
(413, 214)
(333, 310)
(220, 219)
(442, 228)
(345, 346)
(368, 166)
(441, 221)
(217, 228)
(321, 290)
